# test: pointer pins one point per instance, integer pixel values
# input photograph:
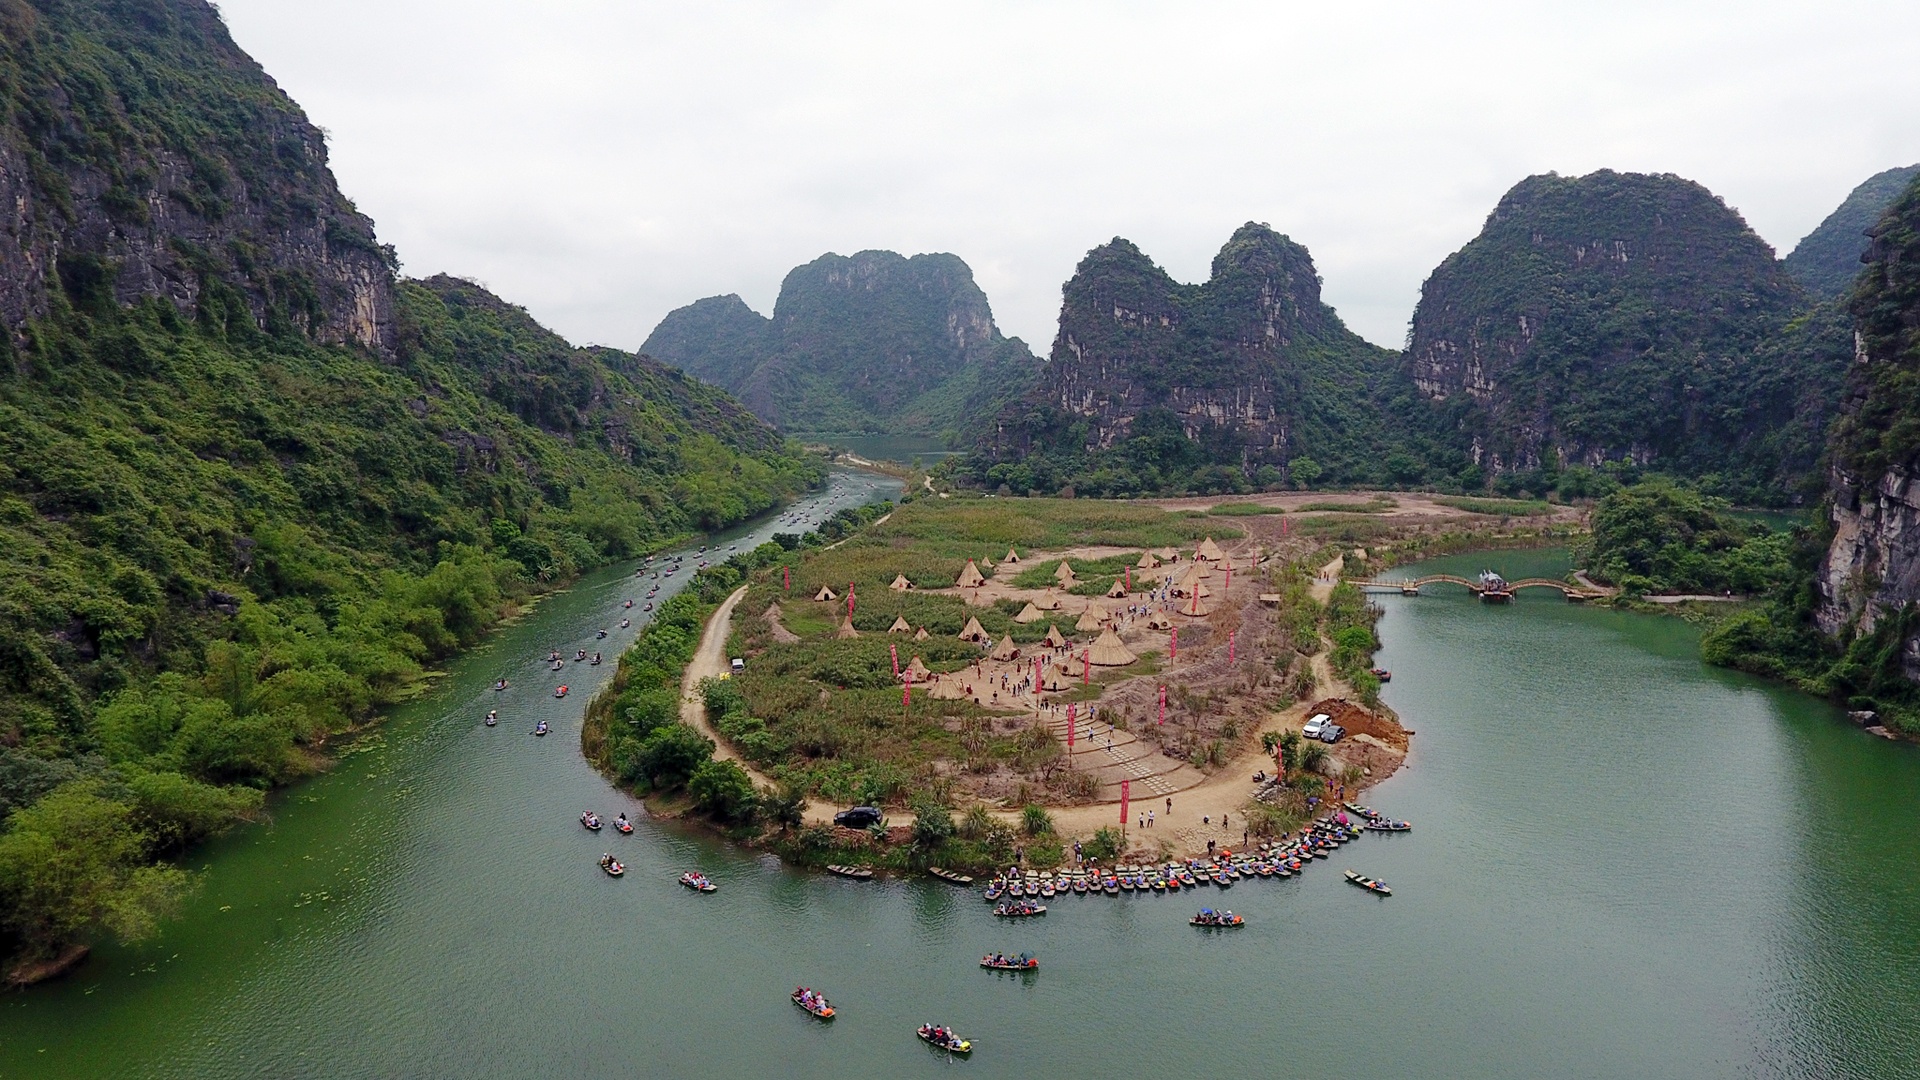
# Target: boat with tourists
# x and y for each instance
(591, 820)
(541, 728)
(697, 881)
(1387, 825)
(944, 1038)
(1217, 920)
(559, 692)
(1372, 885)
(1020, 909)
(1003, 962)
(611, 865)
(493, 717)
(623, 826)
(814, 1002)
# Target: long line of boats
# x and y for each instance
(1017, 891)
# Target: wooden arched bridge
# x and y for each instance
(1492, 592)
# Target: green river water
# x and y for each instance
(1625, 864)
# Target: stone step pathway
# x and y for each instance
(1113, 755)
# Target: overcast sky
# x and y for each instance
(604, 161)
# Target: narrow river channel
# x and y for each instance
(1624, 864)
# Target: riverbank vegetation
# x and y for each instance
(222, 546)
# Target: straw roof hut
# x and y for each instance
(970, 577)
(1091, 619)
(921, 634)
(1054, 637)
(973, 631)
(1049, 602)
(1055, 679)
(1147, 561)
(1209, 550)
(1119, 589)
(1006, 650)
(1064, 573)
(1012, 556)
(1194, 608)
(1109, 651)
(1029, 614)
(1200, 568)
(825, 594)
(915, 671)
(900, 583)
(1073, 668)
(1169, 555)
(1159, 621)
(1191, 586)
(900, 625)
(847, 630)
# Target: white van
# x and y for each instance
(1316, 725)
(738, 665)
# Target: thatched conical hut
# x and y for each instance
(1049, 602)
(1064, 573)
(1029, 614)
(1109, 651)
(1193, 608)
(847, 630)
(1012, 556)
(1209, 550)
(973, 631)
(970, 577)
(915, 671)
(1191, 586)
(900, 583)
(1119, 589)
(825, 594)
(1055, 679)
(900, 625)
(1054, 637)
(1148, 561)
(1091, 619)
(1159, 621)
(1006, 650)
(921, 634)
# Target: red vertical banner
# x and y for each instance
(894, 651)
(1163, 705)
(849, 599)
(1069, 725)
(1086, 667)
(1230, 634)
(906, 697)
(1173, 644)
(786, 579)
(1123, 804)
(1129, 579)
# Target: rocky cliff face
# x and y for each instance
(143, 155)
(1245, 370)
(869, 342)
(1612, 316)
(1871, 573)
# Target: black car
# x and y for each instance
(859, 817)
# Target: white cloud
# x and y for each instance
(604, 161)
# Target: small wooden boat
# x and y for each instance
(858, 873)
(1020, 910)
(499, 686)
(944, 1039)
(1372, 885)
(612, 866)
(949, 876)
(1383, 674)
(541, 728)
(1217, 920)
(816, 1004)
(1383, 825)
(697, 881)
(1080, 885)
(591, 820)
(1023, 962)
(1364, 811)
(1111, 887)
(623, 826)
(561, 692)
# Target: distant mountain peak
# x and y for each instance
(1827, 260)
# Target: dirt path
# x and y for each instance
(710, 661)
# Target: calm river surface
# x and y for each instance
(1625, 864)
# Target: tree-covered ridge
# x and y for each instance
(143, 154)
(1826, 260)
(873, 342)
(1621, 315)
(1240, 381)
(1882, 428)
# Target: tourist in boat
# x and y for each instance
(581, 655)
(602, 633)
(595, 660)
(624, 623)
(629, 603)
(622, 823)
(501, 685)
(493, 717)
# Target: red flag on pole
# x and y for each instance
(849, 599)
(1173, 644)
(1086, 668)
(1123, 804)
(1129, 579)
(894, 651)
(1069, 725)
(1163, 705)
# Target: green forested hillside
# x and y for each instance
(1826, 260)
(872, 342)
(250, 485)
